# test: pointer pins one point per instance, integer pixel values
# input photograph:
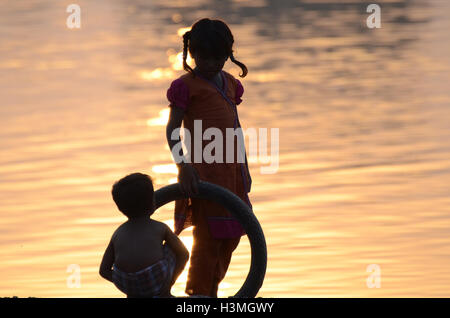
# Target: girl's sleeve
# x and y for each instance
(239, 91)
(178, 94)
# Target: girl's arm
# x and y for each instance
(175, 119)
(187, 175)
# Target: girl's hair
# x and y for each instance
(210, 38)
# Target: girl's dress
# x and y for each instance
(216, 233)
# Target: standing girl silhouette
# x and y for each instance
(209, 94)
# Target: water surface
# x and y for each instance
(364, 168)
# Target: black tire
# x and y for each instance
(242, 212)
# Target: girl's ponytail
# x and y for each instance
(212, 37)
(241, 65)
(186, 38)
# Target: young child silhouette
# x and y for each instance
(136, 260)
(209, 94)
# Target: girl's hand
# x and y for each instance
(188, 179)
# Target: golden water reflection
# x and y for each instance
(364, 164)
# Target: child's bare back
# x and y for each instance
(138, 244)
(144, 257)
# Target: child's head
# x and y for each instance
(210, 40)
(134, 195)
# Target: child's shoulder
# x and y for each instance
(158, 226)
(233, 79)
(154, 226)
(188, 76)
(120, 228)
(227, 74)
(184, 78)
(116, 233)
(158, 223)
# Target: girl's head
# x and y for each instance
(210, 43)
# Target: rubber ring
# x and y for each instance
(242, 212)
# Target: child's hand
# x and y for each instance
(188, 179)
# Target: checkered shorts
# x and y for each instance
(148, 282)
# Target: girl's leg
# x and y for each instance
(210, 259)
(203, 262)
(227, 247)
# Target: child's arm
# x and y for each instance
(181, 253)
(108, 261)
(187, 175)
(175, 119)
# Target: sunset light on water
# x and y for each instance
(363, 176)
